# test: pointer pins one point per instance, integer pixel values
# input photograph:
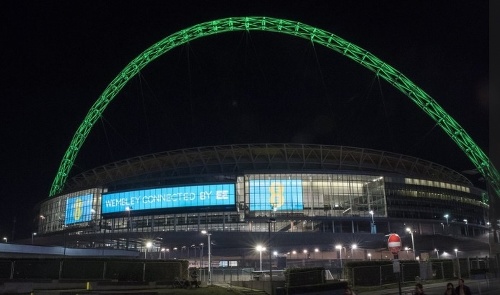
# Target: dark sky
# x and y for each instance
(58, 56)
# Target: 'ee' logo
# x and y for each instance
(277, 199)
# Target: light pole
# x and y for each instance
(32, 238)
(412, 242)
(466, 227)
(201, 254)
(446, 216)
(148, 245)
(195, 257)
(456, 252)
(129, 224)
(437, 253)
(370, 256)
(269, 222)
(5, 239)
(339, 247)
(353, 246)
(373, 229)
(260, 249)
(209, 256)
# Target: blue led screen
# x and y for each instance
(78, 209)
(170, 198)
(276, 194)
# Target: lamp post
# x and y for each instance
(373, 229)
(129, 225)
(370, 256)
(201, 254)
(195, 257)
(209, 256)
(260, 249)
(437, 253)
(32, 238)
(148, 245)
(456, 252)
(5, 239)
(446, 216)
(412, 242)
(466, 227)
(269, 222)
(353, 246)
(339, 247)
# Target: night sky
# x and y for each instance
(57, 57)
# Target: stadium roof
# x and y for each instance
(240, 158)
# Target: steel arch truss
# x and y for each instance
(293, 28)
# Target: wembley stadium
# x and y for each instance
(304, 202)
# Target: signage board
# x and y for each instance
(78, 209)
(276, 194)
(178, 197)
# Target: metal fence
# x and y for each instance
(422, 271)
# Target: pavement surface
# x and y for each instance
(489, 286)
(478, 286)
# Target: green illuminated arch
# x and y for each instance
(319, 36)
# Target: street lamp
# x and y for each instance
(269, 222)
(370, 256)
(373, 230)
(148, 245)
(260, 249)
(209, 256)
(446, 216)
(32, 239)
(201, 254)
(195, 257)
(466, 227)
(129, 225)
(437, 253)
(5, 239)
(339, 247)
(353, 246)
(456, 252)
(412, 242)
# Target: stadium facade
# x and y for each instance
(304, 201)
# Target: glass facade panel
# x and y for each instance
(314, 194)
